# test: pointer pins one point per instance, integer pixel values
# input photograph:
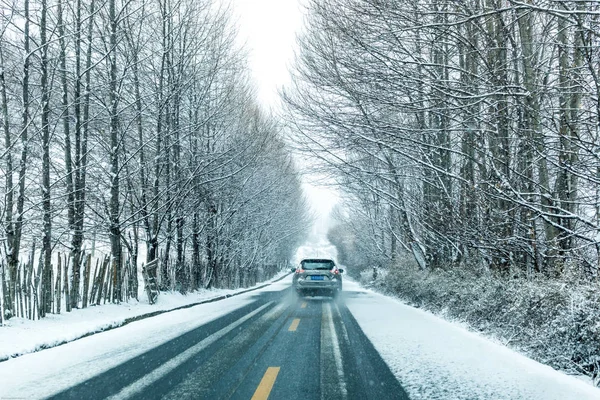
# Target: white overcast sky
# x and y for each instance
(269, 28)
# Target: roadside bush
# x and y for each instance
(556, 322)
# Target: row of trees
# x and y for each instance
(130, 127)
(463, 132)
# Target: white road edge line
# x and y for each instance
(139, 385)
(337, 353)
(344, 330)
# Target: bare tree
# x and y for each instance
(445, 113)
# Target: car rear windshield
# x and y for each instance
(317, 264)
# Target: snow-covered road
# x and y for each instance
(432, 358)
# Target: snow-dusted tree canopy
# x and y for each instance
(464, 132)
(130, 129)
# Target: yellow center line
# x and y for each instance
(294, 325)
(266, 384)
(303, 305)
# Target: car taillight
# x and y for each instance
(299, 271)
(336, 271)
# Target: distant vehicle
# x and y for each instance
(317, 276)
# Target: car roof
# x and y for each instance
(317, 260)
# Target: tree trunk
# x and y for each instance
(531, 129)
(46, 298)
(15, 245)
(115, 225)
(196, 279)
(9, 196)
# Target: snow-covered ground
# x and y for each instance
(21, 336)
(47, 372)
(437, 359)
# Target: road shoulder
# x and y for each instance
(434, 358)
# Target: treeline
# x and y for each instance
(130, 129)
(462, 132)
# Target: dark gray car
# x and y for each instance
(317, 276)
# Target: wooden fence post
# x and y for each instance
(4, 290)
(95, 282)
(86, 280)
(57, 290)
(19, 293)
(66, 285)
(150, 274)
(100, 284)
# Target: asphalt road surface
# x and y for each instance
(278, 347)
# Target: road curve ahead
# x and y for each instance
(278, 347)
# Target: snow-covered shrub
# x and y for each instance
(556, 322)
(370, 276)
